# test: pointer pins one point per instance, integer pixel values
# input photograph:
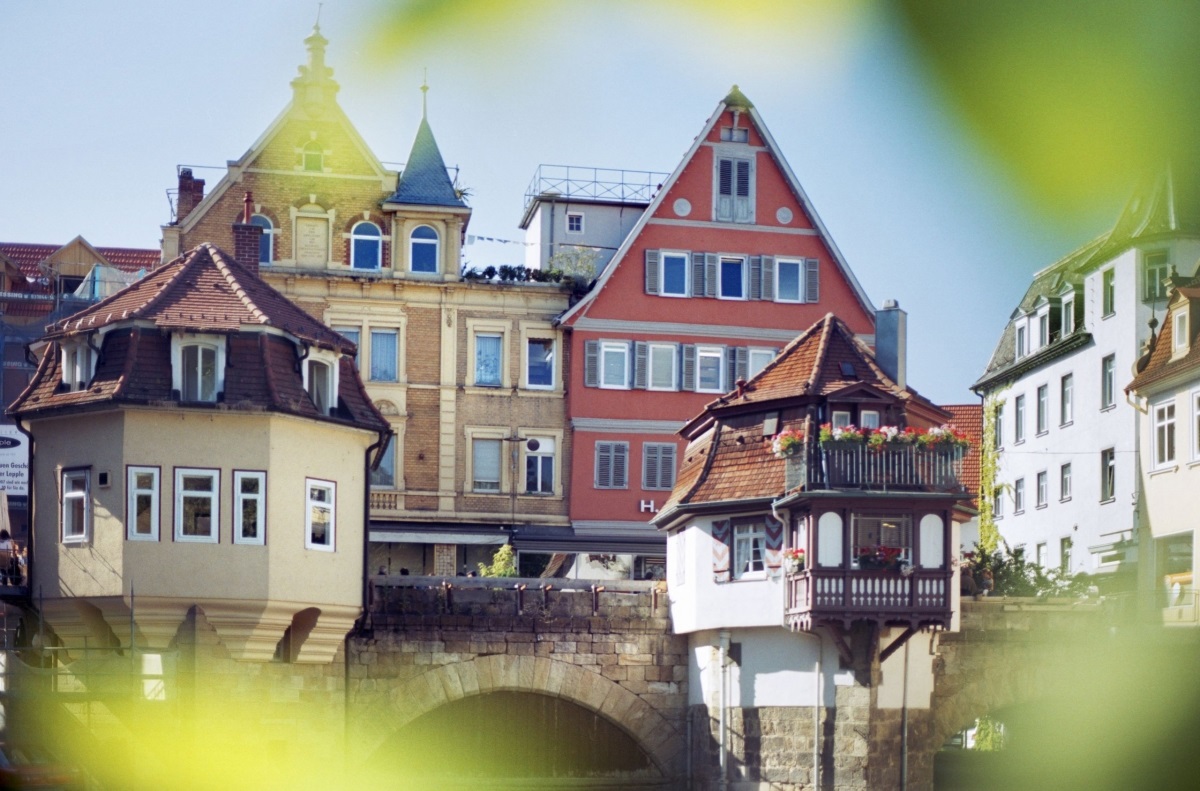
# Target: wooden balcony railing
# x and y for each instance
(887, 596)
(856, 465)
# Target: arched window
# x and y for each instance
(366, 245)
(265, 241)
(423, 249)
(313, 157)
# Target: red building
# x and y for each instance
(727, 264)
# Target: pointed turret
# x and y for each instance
(424, 181)
(315, 88)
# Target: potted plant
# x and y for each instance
(793, 560)
(787, 443)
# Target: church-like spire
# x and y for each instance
(424, 181)
(315, 87)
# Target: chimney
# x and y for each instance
(246, 237)
(891, 344)
(191, 192)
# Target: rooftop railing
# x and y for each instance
(857, 465)
(595, 184)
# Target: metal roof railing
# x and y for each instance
(595, 184)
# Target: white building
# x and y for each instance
(1068, 482)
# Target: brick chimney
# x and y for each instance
(191, 192)
(246, 237)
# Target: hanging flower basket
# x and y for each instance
(793, 560)
(787, 443)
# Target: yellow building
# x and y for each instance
(467, 371)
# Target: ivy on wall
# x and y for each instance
(989, 458)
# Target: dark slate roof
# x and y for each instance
(424, 181)
(127, 259)
(204, 290)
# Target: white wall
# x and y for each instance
(778, 668)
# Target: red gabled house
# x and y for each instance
(727, 264)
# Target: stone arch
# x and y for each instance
(443, 684)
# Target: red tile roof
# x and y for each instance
(127, 259)
(968, 418)
(1161, 363)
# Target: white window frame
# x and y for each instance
(526, 369)
(356, 235)
(749, 539)
(1064, 482)
(574, 215)
(614, 347)
(744, 265)
(475, 434)
(665, 351)
(1108, 291)
(268, 238)
(752, 368)
(1108, 475)
(548, 446)
(486, 327)
(132, 493)
(1019, 496)
(711, 352)
(180, 340)
(239, 500)
(1066, 395)
(780, 263)
(330, 360)
(839, 418)
(436, 243)
(67, 498)
(1179, 332)
(330, 544)
(1019, 419)
(1068, 316)
(371, 333)
(213, 496)
(1043, 488)
(662, 273)
(1153, 288)
(1021, 340)
(1043, 328)
(1108, 381)
(1043, 409)
(78, 363)
(868, 422)
(1163, 436)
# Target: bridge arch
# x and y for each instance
(443, 684)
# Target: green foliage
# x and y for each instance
(989, 456)
(1015, 576)
(989, 735)
(504, 563)
(578, 262)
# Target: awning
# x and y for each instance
(410, 537)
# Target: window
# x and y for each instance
(485, 464)
(196, 506)
(734, 201)
(319, 522)
(1064, 482)
(384, 476)
(249, 507)
(732, 278)
(998, 503)
(1019, 496)
(539, 466)
(1164, 434)
(1108, 381)
(709, 364)
(1068, 316)
(1019, 419)
(423, 249)
(758, 360)
(1043, 409)
(1157, 271)
(1179, 331)
(788, 282)
(574, 222)
(612, 468)
(199, 373)
(312, 157)
(141, 504)
(76, 506)
(78, 363)
(614, 365)
(868, 418)
(1043, 330)
(1043, 489)
(318, 384)
(488, 355)
(663, 359)
(873, 533)
(1066, 407)
(735, 134)
(1064, 554)
(539, 363)
(1042, 557)
(366, 246)
(658, 465)
(840, 419)
(1020, 342)
(265, 242)
(749, 549)
(1108, 474)
(673, 278)
(999, 433)
(351, 334)
(1109, 292)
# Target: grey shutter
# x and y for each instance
(756, 277)
(641, 351)
(591, 363)
(603, 465)
(743, 201)
(730, 366)
(652, 272)
(697, 275)
(768, 277)
(651, 465)
(710, 274)
(666, 466)
(741, 362)
(812, 283)
(620, 458)
(724, 208)
(688, 369)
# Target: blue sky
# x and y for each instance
(103, 101)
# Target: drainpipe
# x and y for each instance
(723, 724)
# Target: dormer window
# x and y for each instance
(1179, 332)
(1068, 315)
(78, 364)
(1043, 328)
(366, 246)
(320, 379)
(312, 157)
(1020, 350)
(198, 367)
(423, 250)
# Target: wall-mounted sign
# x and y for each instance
(14, 461)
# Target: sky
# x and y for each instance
(104, 100)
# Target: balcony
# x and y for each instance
(857, 465)
(921, 598)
